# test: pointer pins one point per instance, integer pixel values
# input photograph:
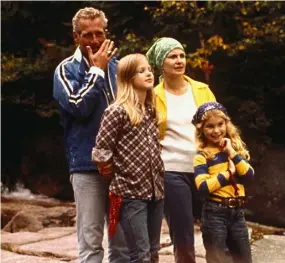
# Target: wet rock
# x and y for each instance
(24, 221)
(58, 244)
(6, 216)
(34, 215)
(10, 257)
(55, 245)
(63, 248)
(21, 238)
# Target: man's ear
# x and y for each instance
(75, 37)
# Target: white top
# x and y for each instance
(178, 145)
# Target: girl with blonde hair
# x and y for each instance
(220, 169)
(127, 147)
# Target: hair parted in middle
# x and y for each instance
(126, 95)
(233, 133)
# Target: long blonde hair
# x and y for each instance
(233, 133)
(126, 95)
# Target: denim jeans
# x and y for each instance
(141, 222)
(178, 210)
(225, 228)
(91, 197)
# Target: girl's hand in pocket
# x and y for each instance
(105, 169)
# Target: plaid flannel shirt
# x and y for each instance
(135, 153)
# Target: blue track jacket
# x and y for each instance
(82, 93)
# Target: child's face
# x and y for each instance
(214, 130)
(143, 78)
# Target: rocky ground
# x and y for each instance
(36, 231)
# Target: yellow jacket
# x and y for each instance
(201, 94)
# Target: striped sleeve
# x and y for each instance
(205, 183)
(79, 99)
(243, 168)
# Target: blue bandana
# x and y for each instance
(206, 107)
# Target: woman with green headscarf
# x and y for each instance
(177, 99)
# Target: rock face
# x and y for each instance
(33, 153)
(34, 215)
(266, 193)
(53, 237)
(275, 255)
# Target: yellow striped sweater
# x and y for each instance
(211, 176)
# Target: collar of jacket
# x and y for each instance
(161, 105)
(195, 86)
(83, 62)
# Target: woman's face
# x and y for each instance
(175, 62)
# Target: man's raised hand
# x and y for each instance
(101, 58)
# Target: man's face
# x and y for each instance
(92, 34)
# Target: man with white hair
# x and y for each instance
(84, 85)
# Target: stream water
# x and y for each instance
(21, 193)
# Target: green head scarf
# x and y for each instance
(160, 49)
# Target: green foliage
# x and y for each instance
(12, 67)
(230, 26)
(238, 47)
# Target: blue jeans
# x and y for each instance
(141, 222)
(91, 197)
(225, 228)
(178, 210)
